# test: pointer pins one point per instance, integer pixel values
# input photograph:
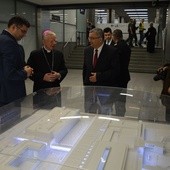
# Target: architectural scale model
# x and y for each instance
(66, 139)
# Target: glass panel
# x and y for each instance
(2, 27)
(70, 33)
(7, 10)
(83, 128)
(57, 27)
(29, 42)
(70, 25)
(28, 11)
(56, 23)
(70, 17)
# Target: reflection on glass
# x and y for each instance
(103, 159)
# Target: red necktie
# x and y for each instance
(95, 58)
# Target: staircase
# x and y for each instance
(75, 60)
(141, 61)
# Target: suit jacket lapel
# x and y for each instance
(102, 51)
(91, 56)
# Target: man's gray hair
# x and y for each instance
(98, 31)
(118, 33)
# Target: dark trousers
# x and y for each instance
(151, 46)
(167, 114)
(98, 100)
(130, 40)
(142, 36)
(135, 37)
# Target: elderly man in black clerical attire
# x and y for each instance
(48, 64)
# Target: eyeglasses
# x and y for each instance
(93, 38)
(22, 30)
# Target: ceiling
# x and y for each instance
(71, 2)
(106, 4)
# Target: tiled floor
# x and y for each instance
(139, 81)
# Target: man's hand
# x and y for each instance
(169, 90)
(29, 70)
(92, 78)
(52, 76)
(162, 69)
(56, 74)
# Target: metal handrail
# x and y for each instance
(81, 38)
(69, 40)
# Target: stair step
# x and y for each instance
(141, 61)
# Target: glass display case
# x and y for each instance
(86, 128)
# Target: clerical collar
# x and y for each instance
(48, 51)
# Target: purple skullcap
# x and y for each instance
(47, 32)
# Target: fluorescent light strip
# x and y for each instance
(108, 118)
(60, 148)
(99, 10)
(74, 117)
(136, 108)
(135, 9)
(126, 94)
(139, 18)
(21, 139)
(101, 13)
(139, 13)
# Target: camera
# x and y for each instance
(161, 75)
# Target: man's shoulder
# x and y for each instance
(88, 49)
(109, 50)
(36, 51)
(122, 46)
(7, 37)
(57, 53)
(123, 43)
(109, 47)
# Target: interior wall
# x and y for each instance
(167, 45)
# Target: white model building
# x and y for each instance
(65, 139)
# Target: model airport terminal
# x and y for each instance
(66, 139)
(57, 129)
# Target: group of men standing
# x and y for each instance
(149, 35)
(105, 63)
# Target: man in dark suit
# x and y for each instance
(150, 36)
(130, 32)
(103, 72)
(13, 70)
(108, 36)
(106, 70)
(124, 53)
